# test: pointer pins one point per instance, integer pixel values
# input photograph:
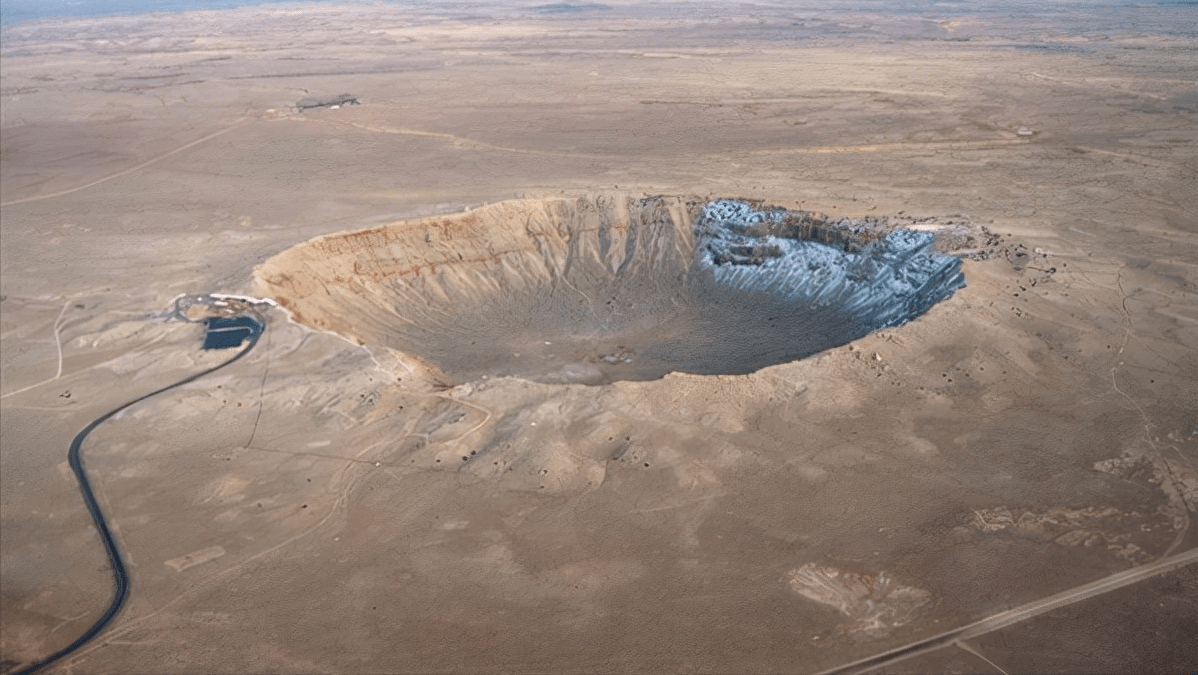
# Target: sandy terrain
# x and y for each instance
(323, 506)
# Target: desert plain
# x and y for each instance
(329, 505)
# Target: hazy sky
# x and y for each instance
(1177, 18)
(13, 11)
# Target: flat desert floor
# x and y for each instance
(321, 506)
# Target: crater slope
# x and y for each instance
(611, 287)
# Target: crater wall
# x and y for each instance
(610, 287)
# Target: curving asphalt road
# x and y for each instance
(119, 573)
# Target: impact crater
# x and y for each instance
(612, 287)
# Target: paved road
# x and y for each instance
(119, 573)
(1021, 613)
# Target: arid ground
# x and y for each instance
(326, 506)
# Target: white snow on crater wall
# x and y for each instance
(885, 282)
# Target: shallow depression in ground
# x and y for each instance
(612, 287)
